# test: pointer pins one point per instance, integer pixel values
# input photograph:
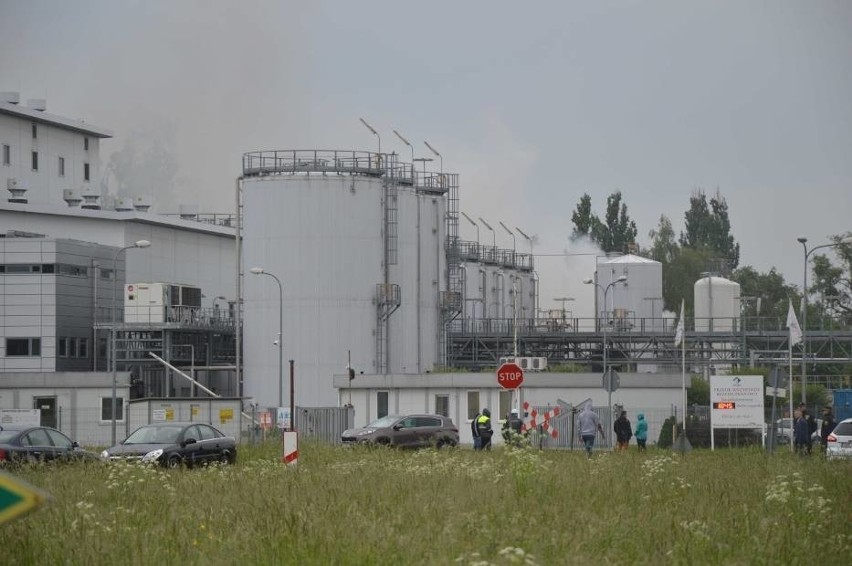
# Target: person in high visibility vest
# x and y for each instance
(483, 427)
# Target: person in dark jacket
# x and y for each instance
(641, 431)
(801, 433)
(623, 432)
(483, 428)
(512, 428)
(828, 424)
(477, 441)
(812, 425)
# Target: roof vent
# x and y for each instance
(39, 104)
(17, 191)
(10, 97)
(71, 197)
(123, 204)
(142, 203)
(188, 211)
(90, 199)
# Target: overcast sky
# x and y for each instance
(533, 104)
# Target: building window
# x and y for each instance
(83, 348)
(86, 144)
(48, 268)
(85, 171)
(381, 404)
(505, 403)
(7, 154)
(106, 409)
(30, 347)
(61, 166)
(106, 273)
(63, 348)
(442, 405)
(472, 404)
(35, 161)
(72, 347)
(35, 131)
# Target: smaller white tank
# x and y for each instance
(717, 304)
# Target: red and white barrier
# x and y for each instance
(291, 448)
(535, 419)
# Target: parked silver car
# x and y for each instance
(840, 441)
(410, 431)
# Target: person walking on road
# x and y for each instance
(623, 432)
(801, 433)
(641, 431)
(483, 428)
(589, 425)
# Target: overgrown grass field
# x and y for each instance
(384, 506)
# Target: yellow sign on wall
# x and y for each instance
(226, 415)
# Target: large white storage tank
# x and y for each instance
(717, 304)
(637, 303)
(318, 221)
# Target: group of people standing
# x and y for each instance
(482, 431)
(804, 427)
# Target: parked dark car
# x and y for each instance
(26, 443)
(410, 431)
(175, 444)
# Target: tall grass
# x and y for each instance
(380, 506)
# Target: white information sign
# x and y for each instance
(736, 401)
(25, 417)
(283, 418)
(158, 415)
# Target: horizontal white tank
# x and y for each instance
(717, 304)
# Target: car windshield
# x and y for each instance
(383, 422)
(7, 435)
(155, 435)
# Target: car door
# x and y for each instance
(405, 432)
(37, 445)
(192, 447)
(211, 445)
(427, 428)
(63, 447)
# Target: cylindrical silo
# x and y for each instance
(636, 304)
(717, 304)
(358, 244)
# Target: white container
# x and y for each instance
(717, 304)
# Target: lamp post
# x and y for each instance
(406, 142)
(375, 133)
(280, 341)
(804, 241)
(514, 242)
(136, 244)
(438, 155)
(605, 290)
(493, 235)
(475, 225)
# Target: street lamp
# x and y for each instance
(605, 290)
(280, 341)
(493, 234)
(438, 155)
(406, 142)
(136, 244)
(804, 241)
(375, 133)
(514, 246)
(475, 225)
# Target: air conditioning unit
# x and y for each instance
(539, 364)
(18, 192)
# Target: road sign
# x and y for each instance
(16, 497)
(510, 376)
(611, 380)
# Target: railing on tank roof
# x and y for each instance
(490, 255)
(292, 161)
(306, 161)
(214, 218)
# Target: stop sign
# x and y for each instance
(510, 376)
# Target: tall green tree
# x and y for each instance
(617, 230)
(583, 217)
(664, 247)
(764, 294)
(707, 226)
(831, 284)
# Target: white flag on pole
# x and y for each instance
(679, 331)
(793, 325)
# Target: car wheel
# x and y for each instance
(174, 461)
(445, 443)
(224, 458)
(383, 441)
